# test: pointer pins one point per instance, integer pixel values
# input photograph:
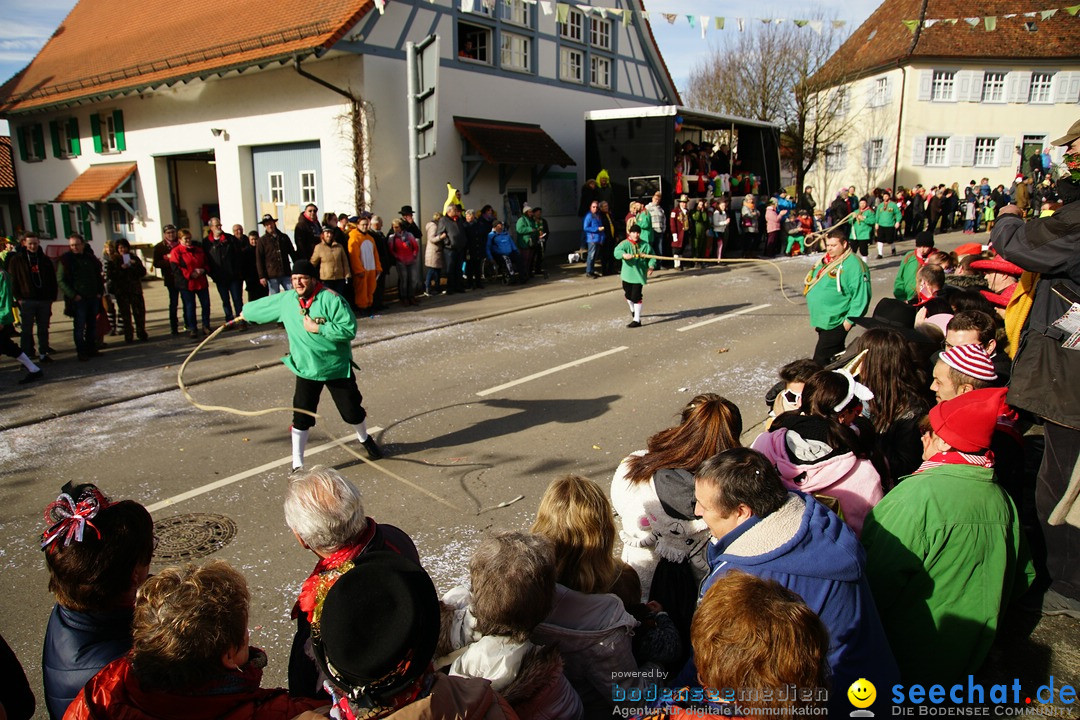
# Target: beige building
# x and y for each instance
(949, 102)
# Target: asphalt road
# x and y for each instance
(473, 412)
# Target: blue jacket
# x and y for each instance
(809, 550)
(77, 645)
(592, 226)
(500, 244)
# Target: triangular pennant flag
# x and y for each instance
(670, 17)
(562, 12)
(767, 21)
(1073, 10)
(839, 23)
(741, 23)
(951, 21)
(990, 22)
(911, 25)
(816, 26)
(1046, 14)
(704, 24)
(627, 16)
(602, 12)
(972, 21)
(489, 6)
(929, 23)
(466, 5)
(1030, 14)
(1008, 16)
(381, 6)
(719, 23)
(645, 14)
(800, 23)
(779, 21)
(545, 6)
(692, 20)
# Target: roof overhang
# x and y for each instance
(507, 145)
(697, 118)
(97, 183)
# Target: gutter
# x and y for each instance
(319, 81)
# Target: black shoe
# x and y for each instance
(44, 359)
(194, 334)
(143, 337)
(31, 377)
(633, 323)
(83, 357)
(374, 452)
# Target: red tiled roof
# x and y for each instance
(105, 47)
(7, 164)
(883, 40)
(512, 143)
(96, 183)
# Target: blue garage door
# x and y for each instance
(287, 175)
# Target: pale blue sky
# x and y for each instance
(25, 25)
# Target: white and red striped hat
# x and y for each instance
(971, 360)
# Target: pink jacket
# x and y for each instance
(853, 482)
(772, 219)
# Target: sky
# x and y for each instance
(25, 25)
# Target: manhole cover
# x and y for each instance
(196, 535)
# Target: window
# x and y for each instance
(277, 188)
(42, 220)
(993, 90)
(875, 153)
(1040, 87)
(515, 11)
(515, 52)
(937, 151)
(881, 92)
(75, 217)
(986, 152)
(944, 86)
(65, 138)
(571, 64)
(572, 28)
(31, 143)
(600, 33)
(835, 157)
(307, 187)
(122, 223)
(600, 68)
(843, 101)
(108, 132)
(474, 42)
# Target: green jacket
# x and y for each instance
(842, 294)
(862, 224)
(904, 285)
(325, 355)
(527, 232)
(634, 270)
(888, 214)
(648, 233)
(7, 317)
(945, 555)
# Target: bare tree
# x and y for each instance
(766, 73)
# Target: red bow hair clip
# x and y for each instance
(68, 519)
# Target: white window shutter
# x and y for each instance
(1005, 150)
(866, 153)
(969, 150)
(1072, 95)
(1061, 86)
(963, 85)
(926, 84)
(918, 150)
(888, 91)
(1023, 86)
(955, 151)
(1012, 88)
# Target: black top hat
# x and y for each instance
(379, 626)
(406, 210)
(267, 219)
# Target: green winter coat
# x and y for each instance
(648, 234)
(634, 270)
(527, 232)
(945, 555)
(844, 293)
(325, 355)
(888, 214)
(904, 285)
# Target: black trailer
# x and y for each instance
(648, 148)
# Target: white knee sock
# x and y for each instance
(637, 312)
(299, 444)
(678, 263)
(880, 249)
(631, 305)
(28, 363)
(361, 430)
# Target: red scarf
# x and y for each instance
(305, 305)
(328, 570)
(955, 457)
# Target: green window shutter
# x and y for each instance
(21, 134)
(65, 218)
(50, 220)
(84, 221)
(118, 126)
(54, 131)
(73, 136)
(95, 130)
(34, 224)
(39, 140)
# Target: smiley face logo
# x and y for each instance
(862, 693)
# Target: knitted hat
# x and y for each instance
(971, 360)
(967, 421)
(998, 265)
(379, 626)
(304, 267)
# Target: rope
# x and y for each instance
(256, 413)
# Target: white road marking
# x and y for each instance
(723, 317)
(202, 490)
(544, 373)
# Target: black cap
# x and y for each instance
(304, 267)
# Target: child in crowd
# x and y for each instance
(635, 270)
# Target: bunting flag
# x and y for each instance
(927, 23)
(467, 6)
(704, 24)
(990, 22)
(670, 17)
(1030, 14)
(692, 20)
(1011, 15)
(627, 16)
(911, 25)
(380, 5)
(562, 12)
(800, 23)
(741, 23)
(816, 26)
(1047, 14)
(839, 23)
(972, 21)
(719, 23)
(545, 6)
(1073, 10)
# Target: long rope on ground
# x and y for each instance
(266, 411)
